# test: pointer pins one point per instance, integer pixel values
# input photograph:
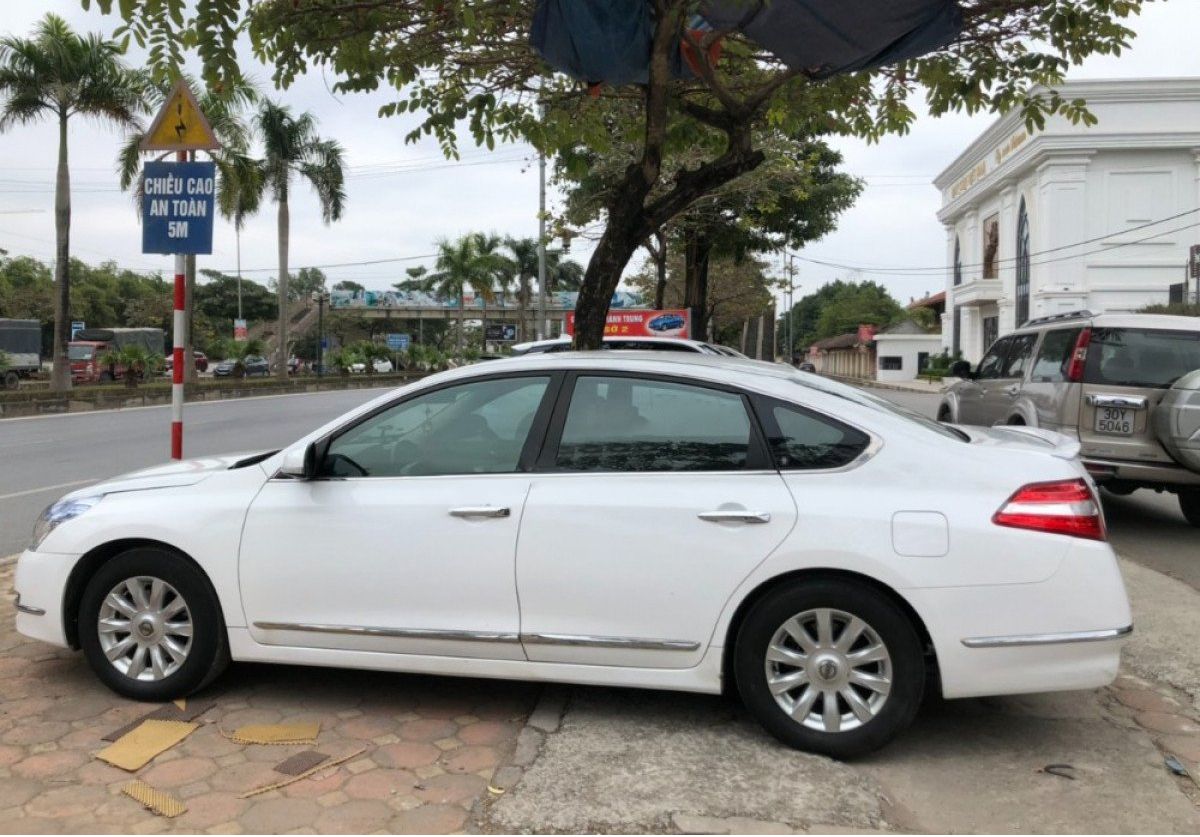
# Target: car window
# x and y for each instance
(1054, 356)
(1019, 354)
(801, 440)
(474, 428)
(1141, 357)
(993, 361)
(628, 424)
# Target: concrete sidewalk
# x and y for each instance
(934, 387)
(625, 761)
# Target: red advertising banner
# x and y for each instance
(639, 322)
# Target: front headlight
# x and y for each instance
(60, 512)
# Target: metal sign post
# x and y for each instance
(178, 204)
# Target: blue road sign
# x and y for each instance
(398, 342)
(76, 327)
(178, 203)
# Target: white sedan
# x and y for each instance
(629, 519)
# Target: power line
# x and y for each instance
(942, 269)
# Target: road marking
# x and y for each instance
(27, 492)
(216, 402)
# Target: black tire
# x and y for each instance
(106, 378)
(892, 628)
(1119, 489)
(208, 652)
(945, 415)
(11, 380)
(1189, 504)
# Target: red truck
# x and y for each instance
(87, 350)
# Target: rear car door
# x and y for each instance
(972, 394)
(654, 499)
(1126, 374)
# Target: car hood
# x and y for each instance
(1021, 437)
(168, 475)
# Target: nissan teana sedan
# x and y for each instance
(638, 519)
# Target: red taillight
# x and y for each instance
(1079, 356)
(1064, 508)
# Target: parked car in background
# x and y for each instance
(380, 365)
(87, 351)
(21, 343)
(199, 358)
(255, 366)
(653, 344)
(1127, 386)
(733, 523)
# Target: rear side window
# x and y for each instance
(1054, 356)
(630, 424)
(1141, 357)
(1019, 354)
(801, 440)
(993, 361)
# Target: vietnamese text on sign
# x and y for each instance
(178, 202)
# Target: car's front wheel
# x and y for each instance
(1189, 504)
(830, 666)
(151, 627)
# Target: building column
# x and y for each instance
(1059, 220)
(1007, 257)
(971, 239)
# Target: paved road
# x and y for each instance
(44, 458)
(1145, 527)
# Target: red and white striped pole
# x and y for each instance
(179, 334)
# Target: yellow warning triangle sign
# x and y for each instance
(180, 125)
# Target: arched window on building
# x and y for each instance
(957, 262)
(1022, 265)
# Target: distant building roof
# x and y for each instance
(931, 301)
(904, 327)
(842, 341)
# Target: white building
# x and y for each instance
(1072, 217)
(902, 351)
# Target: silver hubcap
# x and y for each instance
(828, 670)
(145, 628)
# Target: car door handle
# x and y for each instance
(1013, 390)
(481, 511)
(735, 516)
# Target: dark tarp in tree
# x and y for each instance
(595, 40)
(827, 37)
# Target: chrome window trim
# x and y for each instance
(1065, 638)
(588, 641)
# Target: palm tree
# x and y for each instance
(239, 178)
(57, 73)
(525, 270)
(292, 147)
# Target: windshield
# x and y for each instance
(1141, 357)
(875, 402)
(80, 352)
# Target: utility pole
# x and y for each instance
(543, 326)
(237, 231)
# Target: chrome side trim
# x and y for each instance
(395, 633)
(586, 641)
(30, 609)
(1048, 639)
(1136, 402)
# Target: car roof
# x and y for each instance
(1168, 322)
(537, 344)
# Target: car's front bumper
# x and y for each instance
(40, 581)
(1060, 634)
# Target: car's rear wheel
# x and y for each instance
(944, 414)
(150, 626)
(1189, 504)
(830, 666)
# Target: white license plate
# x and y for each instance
(1115, 421)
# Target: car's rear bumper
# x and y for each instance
(1149, 473)
(1060, 634)
(40, 580)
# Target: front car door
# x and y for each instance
(654, 499)
(405, 543)
(999, 401)
(1048, 389)
(972, 394)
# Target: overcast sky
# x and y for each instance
(402, 197)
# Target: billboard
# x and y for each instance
(672, 322)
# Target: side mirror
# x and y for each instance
(960, 369)
(300, 463)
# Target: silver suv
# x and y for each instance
(1126, 385)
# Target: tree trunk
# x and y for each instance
(462, 318)
(523, 308)
(659, 254)
(282, 285)
(696, 256)
(60, 379)
(189, 343)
